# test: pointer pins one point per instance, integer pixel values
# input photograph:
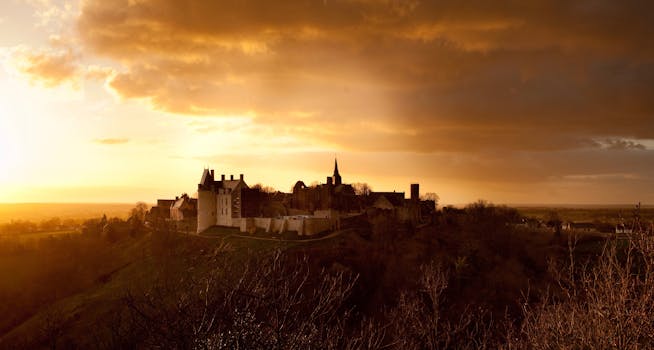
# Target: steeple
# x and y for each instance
(337, 176)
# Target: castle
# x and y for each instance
(223, 202)
(230, 202)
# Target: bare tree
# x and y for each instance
(607, 303)
(431, 196)
(362, 189)
(418, 321)
(272, 303)
(137, 218)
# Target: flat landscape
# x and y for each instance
(611, 214)
(77, 211)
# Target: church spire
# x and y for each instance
(337, 176)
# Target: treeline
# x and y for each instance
(47, 225)
(94, 225)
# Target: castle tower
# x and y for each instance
(337, 176)
(415, 192)
(206, 201)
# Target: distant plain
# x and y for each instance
(37, 212)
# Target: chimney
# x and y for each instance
(329, 180)
(212, 174)
(231, 177)
(241, 176)
(222, 177)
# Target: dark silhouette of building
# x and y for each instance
(337, 176)
(231, 202)
(333, 195)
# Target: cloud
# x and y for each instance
(414, 76)
(94, 72)
(49, 13)
(49, 67)
(622, 145)
(111, 141)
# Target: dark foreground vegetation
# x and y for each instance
(472, 279)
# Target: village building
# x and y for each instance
(402, 209)
(184, 213)
(184, 208)
(162, 209)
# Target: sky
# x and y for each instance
(518, 102)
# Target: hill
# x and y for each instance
(467, 279)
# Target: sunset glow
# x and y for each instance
(121, 101)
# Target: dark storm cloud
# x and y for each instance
(398, 75)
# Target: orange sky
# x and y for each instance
(513, 102)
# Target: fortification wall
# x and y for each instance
(295, 224)
(303, 226)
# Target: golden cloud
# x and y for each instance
(111, 141)
(46, 66)
(541, 75)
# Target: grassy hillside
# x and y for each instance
(377, 283)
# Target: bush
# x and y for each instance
(608, 303)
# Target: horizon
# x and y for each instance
(541, 103)
(439, 204)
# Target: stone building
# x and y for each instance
(162, 209)
(219, 201)
(184, 208)
(184, 213)
(334, 195)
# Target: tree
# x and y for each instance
(554, 221)
(50, 224)
(264, 189)
(362, 189)
(137, 218)
(431, 196)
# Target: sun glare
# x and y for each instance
(8, 155)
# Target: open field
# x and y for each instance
(608, 214)
(79, 211)
(31, 236)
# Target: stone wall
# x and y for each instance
(302, 225)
